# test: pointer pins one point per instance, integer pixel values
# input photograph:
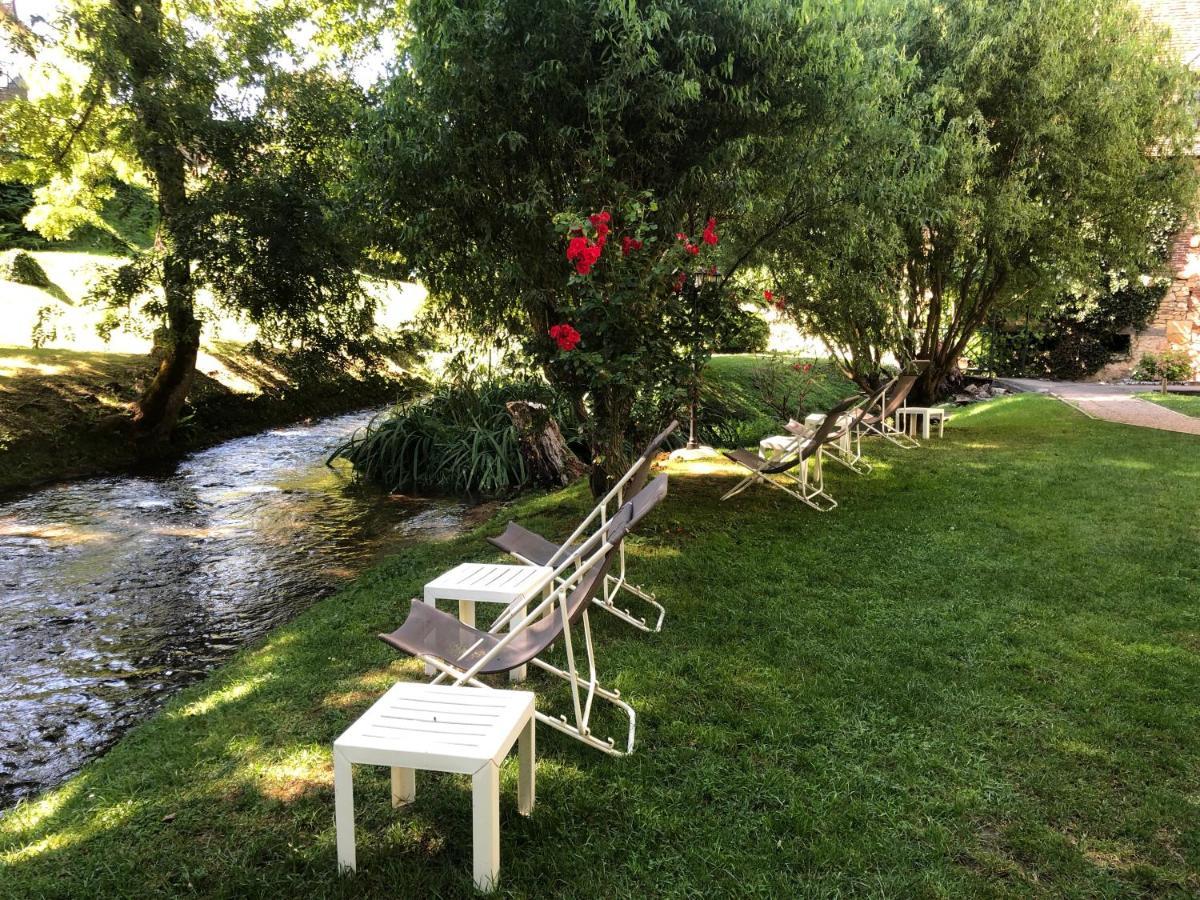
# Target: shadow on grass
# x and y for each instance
(974, 677)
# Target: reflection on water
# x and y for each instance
(115, 592)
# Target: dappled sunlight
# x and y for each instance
(55, 533)
(18, 365)
(105, 817)
(237, 691)
(301, 773)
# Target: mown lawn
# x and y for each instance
(976, 678)
(1188, 404)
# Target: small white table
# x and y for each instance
(472, 583)
(924, 416)
(440, 728)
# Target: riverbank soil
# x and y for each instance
(59, 408)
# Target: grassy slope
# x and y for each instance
(977, 677)
(1188, 404)
(53, 404)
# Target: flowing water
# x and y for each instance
(116, 592)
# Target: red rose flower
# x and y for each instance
(680, 236)
(710, 232)
(680, 279)
(565, 336)
(692, 249)
(600, 218)
(575, 247)
(767, 295)
(629, 244)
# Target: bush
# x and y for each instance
(1173, 365)
(22, 268)
(746, 332)
(458, 439)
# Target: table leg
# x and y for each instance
(925, 426)
(485, 815)
(404, 786)
(343, 810)
(527, 755)
(466, 612)
(517, 674)
(430, 601)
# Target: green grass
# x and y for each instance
(978, 677)
(746, 395)
(57, 407)
(1188, 404)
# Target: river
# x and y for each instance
(116, 592)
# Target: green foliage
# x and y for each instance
(238, 133)
(1024, 148)
(457, 439)
(502, 114)
(22, 268)
(745, 331)
(1171, 365)
(15, 202)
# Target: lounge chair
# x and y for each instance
(464, 654)
(797, 457)
(532, 549)
(880, 421)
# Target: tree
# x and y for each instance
(208, 106)
(1031, 145)
(502, 114)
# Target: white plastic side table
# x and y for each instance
(440, 728)
(924, 416)
(472, 583)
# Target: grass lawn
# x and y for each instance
(56, 406)
(978, 677)
(1188, 404)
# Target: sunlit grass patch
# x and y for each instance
(976, 678)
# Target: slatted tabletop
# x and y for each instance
(489, 582)
(433, 726)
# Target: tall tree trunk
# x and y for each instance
(156, 413)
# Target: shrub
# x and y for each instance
(1173, 365)
(22, 268)
(745, 332)
(458, 439)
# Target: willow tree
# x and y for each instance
(1032, 145)
(209, 107)
(503, 114)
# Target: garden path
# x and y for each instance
(1112, 402)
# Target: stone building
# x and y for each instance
(1176, 325)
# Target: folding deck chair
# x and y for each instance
(805, 489)
(532, 549)
(464, 654)
(891, 397)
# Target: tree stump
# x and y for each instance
(547, 455)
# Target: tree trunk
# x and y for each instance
(550, 460)
(156, 413)
(610, 421)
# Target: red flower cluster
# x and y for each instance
(585, 253)
(628, 245)
(710, 233)
(779, 303)
(802, 367)
(565, 336)
(687, 243)
(680, 280)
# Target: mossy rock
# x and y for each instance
(22, 268)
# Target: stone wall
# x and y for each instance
(1176, 325)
